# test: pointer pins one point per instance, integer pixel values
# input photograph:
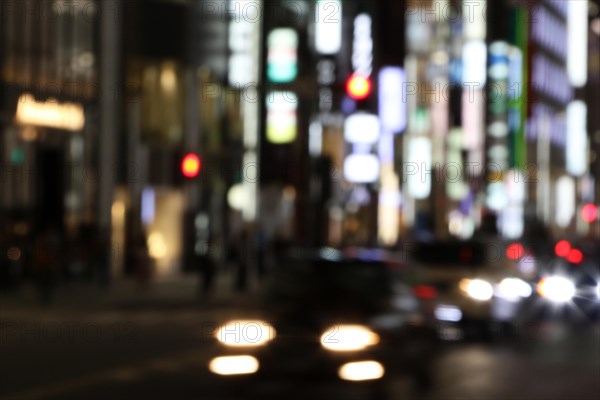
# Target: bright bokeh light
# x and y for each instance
(557, 289)
(51, 114)
(282, 57)
(448, 313)
(477, 289)
(575, 256)
(577, 138)
(234, 365)
(589, 212)
(245, 333)
(328, 26)
(358, 87)
(157, 246)
(361, 168)
(190, 166)
(474, 58)
(565, 200)
(515, 251)
(361, 371)
(348, 338)
(362, 127)
(282, 119)
(236, 197)
(513, 289)
(420, 153)
(562, 248)
(577, 37)
(392, 107)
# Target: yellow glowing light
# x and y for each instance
(168, 79)
(236, 197)
(118, 209)
(245, 333)
(358, 87)
(282, 119)
(234, 365)
(156, 245)
(348, 338)
(68, 116)
(361, 371)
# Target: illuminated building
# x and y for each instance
(52, 116)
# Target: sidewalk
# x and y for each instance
(126, 294)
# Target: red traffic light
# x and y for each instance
(589, 212)
(562, 248)
(190, 166)
(358, 87)
(515, 251)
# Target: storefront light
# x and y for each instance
(51, 114)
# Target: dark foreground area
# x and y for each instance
(156, 351)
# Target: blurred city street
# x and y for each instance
(159, 346)
(292, 199)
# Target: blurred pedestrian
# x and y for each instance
(241, 257)
(261, 254)
(205, 263)
(141, 259)
(103, 252)
(47, 259)
(281, 246)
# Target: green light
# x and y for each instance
(282, 57)
(17, 156)
(282, 73)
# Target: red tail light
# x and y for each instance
(575, 256)
(425, 292)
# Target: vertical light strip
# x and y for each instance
(577, 160)
(474, 19)
(577, 42)
(328, 26)
(522, 38)
(244, 73)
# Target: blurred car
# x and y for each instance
(569, 288)
(329, 318)
(478, 291)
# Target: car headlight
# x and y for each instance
(477, 289)
(245, 333)
(557, 289)
(234, 365)
(361, 371)
(348, 338)
(513, 289)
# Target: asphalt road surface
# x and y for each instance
(162, 354)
